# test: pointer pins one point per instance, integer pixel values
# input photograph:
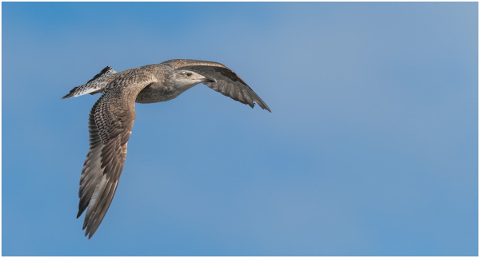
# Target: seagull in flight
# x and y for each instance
(112, 116)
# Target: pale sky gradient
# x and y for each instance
(370, 149)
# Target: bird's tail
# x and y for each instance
(94, 85)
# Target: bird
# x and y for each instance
(112, 117)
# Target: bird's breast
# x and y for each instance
(156, 93)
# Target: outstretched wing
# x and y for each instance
(94, 85)
(227, 82)
(110, 125)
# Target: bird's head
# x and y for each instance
(185, 78)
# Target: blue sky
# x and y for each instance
(370, 149)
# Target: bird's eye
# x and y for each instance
(189, 74)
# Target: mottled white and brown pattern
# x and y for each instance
(112, 117)
(94, 85)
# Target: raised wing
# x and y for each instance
(227, 82)
(110, 125)
(94, 85)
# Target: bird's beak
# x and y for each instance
(206, 79)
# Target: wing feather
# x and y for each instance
(110, 125)
(227, 82)
(100, 175)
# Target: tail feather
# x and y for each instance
(94, 85)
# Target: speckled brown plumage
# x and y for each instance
(112, 117)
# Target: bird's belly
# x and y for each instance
(153, 94)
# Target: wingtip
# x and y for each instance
(89, 232)
(264, 106)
